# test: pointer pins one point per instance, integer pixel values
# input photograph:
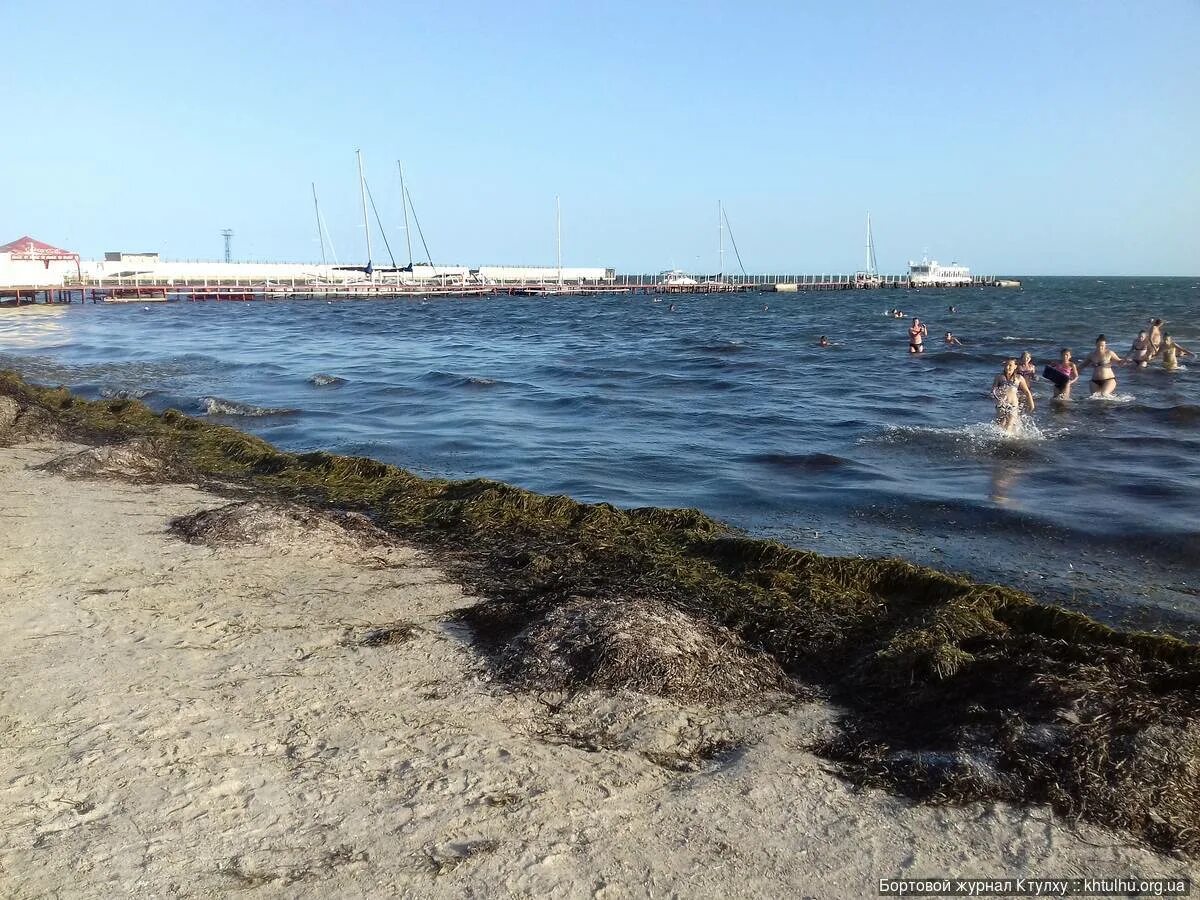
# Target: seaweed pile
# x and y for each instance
(950, 690)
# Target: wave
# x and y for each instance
(718, 346)
(806, 462)
(983, 436)
(454, 379)
(323, 380)
(215, 406)
(126, 393)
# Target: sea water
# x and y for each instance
(726, 404)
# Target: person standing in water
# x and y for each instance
(1025, 367)
(1102, 360)
(1140, 350)
(1070, 374)
(917, 332)
(1169, 351)
(1156, 336)
(1007, 389)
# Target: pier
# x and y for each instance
(150, 289)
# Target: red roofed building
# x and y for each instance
(26, 262)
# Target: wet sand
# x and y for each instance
(186, 720)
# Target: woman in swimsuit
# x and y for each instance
(1007, 388)
(916, 334)
(1141, 351)
(1169, 352)
(952, 341)
(1065, 365)
(1102, 360)
(1025, 367)
(1156, 335)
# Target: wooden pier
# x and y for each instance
(151, 290)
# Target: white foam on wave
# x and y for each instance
(1114, 398)
(215, 406)
(978, 435)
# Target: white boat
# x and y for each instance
(869, 277)
(930, 273)
(675, 278)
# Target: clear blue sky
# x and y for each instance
(1016, 137)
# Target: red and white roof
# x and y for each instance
(28, 248)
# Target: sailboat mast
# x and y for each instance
(870, 248)
(362, 190)
(558, 234)
(404, 203)
(720, 239)
(320, 231)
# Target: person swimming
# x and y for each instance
(1140, 350)
(917, 332)
(1066, 368)
(1025, 367)
(950, 340)
(1169, 351)
(1007, 390)
(823, 342)
(1102, 360)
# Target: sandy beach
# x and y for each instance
(295, 715)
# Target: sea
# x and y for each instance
(725, 403)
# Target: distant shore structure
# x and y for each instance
(32, 270)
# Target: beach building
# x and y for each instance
(27, 262)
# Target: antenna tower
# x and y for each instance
(227, 233)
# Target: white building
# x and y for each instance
(26, 262)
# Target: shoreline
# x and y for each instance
(868, 643)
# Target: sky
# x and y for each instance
(1014, 137)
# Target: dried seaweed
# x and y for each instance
(952, 690)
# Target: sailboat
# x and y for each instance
(558, 288)
(870, 277)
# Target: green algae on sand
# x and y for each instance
(950, 690)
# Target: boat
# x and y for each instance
(136, 295)
(675, 278)
(869, 278)
(930, 273)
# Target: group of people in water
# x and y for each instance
(1011, 386)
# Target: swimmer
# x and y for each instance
(823, 342)
(1140, 350)
(765, 307)
(1066, 367)
(952, 309)
(951, 340)
(1025, 367)
(1007, 388)
(1169, 352)
(1102, 360)
(916, 333)
(672, 309)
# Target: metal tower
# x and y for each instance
(227, 233)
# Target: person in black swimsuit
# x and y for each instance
(916, 334)
(1102, 360)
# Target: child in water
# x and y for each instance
(1169, 351)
